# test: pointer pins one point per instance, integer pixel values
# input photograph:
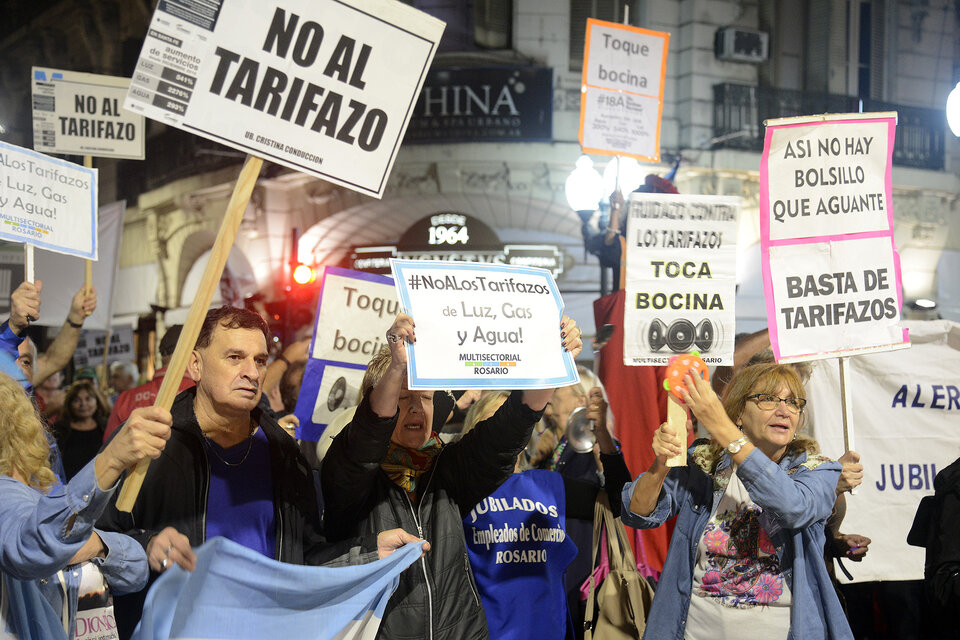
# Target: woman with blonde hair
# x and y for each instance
(48, 546)
(745, 559)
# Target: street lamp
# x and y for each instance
(953, 110)
(623, 174)
(584, 188)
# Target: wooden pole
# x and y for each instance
(846, 406)
(677, 419)
(28, 264)
(198, 311)
(88, 273)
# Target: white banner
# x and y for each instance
(482, 326)
(48, 203)
(906, 417)
(82, 114)
(829, 178)
(326, 87)
(63, 276)
(681, 278)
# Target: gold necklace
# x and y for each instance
(210, 446)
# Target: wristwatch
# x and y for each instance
(737, 444)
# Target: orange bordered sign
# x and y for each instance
(621, 105)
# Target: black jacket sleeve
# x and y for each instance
(944, 569)
(348, 474)
(581, 495)
(473, 467)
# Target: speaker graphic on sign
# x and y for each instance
(681, 335)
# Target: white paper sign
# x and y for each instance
(831, 272)
(832, 296)
(82, 114)
(353, 316)
(624, 69)
(321, 86)
(681, 278)
(48, 203)
(829, 179)
(354, 311)
(906, 414)
(482, 326)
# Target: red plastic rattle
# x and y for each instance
(679, 366)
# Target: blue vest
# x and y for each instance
(519, 551)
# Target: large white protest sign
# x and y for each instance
(325, 87)
(48, 203)
(681, 278)
(482, 326)
(906, 406)
(624, 69)
(63, 276)
(831, 270)
(354, 312)
(82, 114)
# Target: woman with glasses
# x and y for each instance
(745, 560)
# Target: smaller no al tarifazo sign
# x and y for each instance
(83, 114)
(621, 106)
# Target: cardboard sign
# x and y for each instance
(320, 86)
(830, 268)
(81, 114)
(681, 278)
(354, 312)
(483, 326)
(906, 406)
(89, 351)
(48, 203)
(621, 106)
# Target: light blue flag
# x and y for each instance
(237, 593)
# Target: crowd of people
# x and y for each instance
(757, 508)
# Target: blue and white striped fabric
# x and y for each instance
(237, 593)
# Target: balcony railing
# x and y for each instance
(740, 110)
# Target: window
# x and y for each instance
(472, 25)
(580, 10)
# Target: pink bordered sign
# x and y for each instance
(831, 271)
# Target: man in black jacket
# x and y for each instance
(230, 470)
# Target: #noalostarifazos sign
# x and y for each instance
(321, 86)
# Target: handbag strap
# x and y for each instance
(598, 523)
(623, 557)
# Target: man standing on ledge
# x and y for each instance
(229, 470)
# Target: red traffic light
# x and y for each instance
(302, 274)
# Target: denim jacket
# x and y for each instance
(39, 534)
(795, 496)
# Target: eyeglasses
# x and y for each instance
(768, 402)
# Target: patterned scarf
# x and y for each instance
(404, 466)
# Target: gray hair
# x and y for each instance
(128, 368)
